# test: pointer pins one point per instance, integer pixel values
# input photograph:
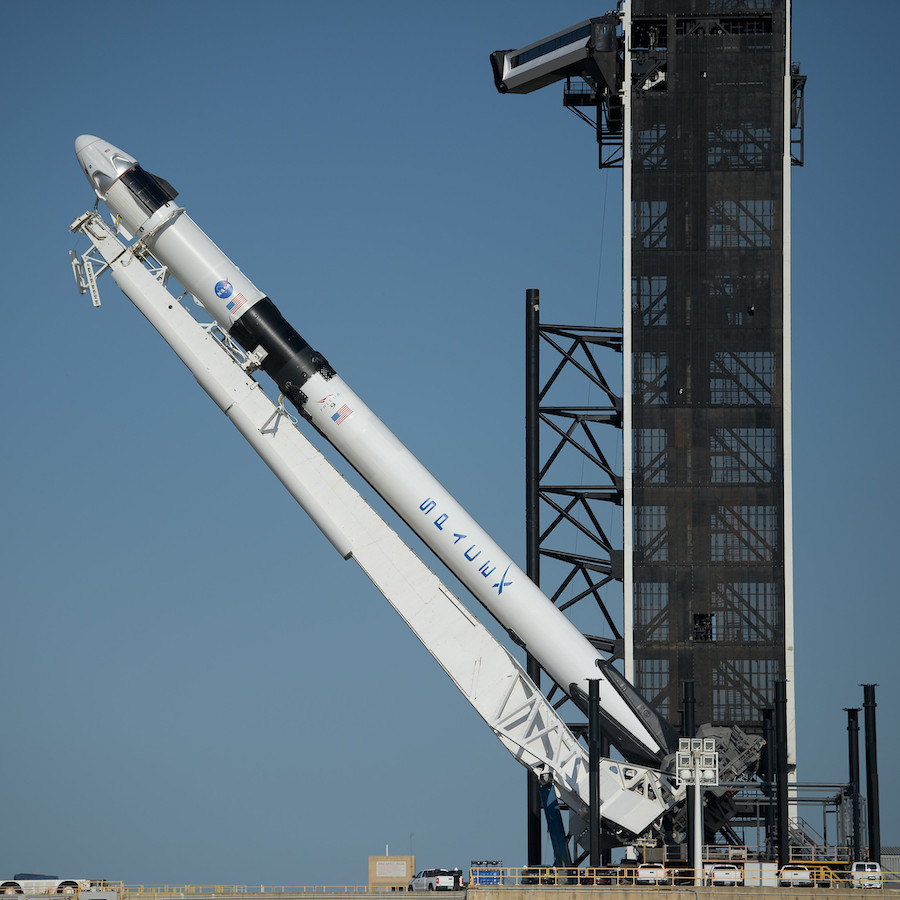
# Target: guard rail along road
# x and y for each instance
(529, 883)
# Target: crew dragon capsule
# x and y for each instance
(143, 206)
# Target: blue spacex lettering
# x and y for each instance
(502, 583)
(471, 551)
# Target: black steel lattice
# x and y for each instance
(708, 354)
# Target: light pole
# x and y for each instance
(698, 764)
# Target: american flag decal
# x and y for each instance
(236, 304)
(341, 414)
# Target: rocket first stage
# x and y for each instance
(143, 207)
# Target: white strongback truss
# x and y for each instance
(632, 797)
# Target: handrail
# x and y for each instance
(161, 891)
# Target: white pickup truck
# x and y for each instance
(795, 875)
(725, 874)
(436, 880)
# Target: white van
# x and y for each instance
(866, 875)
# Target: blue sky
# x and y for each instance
(196, 688)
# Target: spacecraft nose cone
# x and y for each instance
(101, 162)
(84, 140)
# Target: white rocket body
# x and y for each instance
(144, 207)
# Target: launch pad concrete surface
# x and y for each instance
(547, 893)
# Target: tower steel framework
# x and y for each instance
(712, 118)
(707, 456)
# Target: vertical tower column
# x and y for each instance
(768, 773)
(853, 758)
(781, 772)
(872, 804)
(689, 730)
(533, 527)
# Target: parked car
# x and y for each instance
(725, 874)
(436, 880)
(651, 873)
(27, 883)
(598, 876)
(795, 875)
(866, 875)
(549, 875)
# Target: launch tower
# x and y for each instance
(699, 103)
(710, 103)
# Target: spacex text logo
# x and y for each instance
(471, 551)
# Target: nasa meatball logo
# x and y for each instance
(224, 289)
